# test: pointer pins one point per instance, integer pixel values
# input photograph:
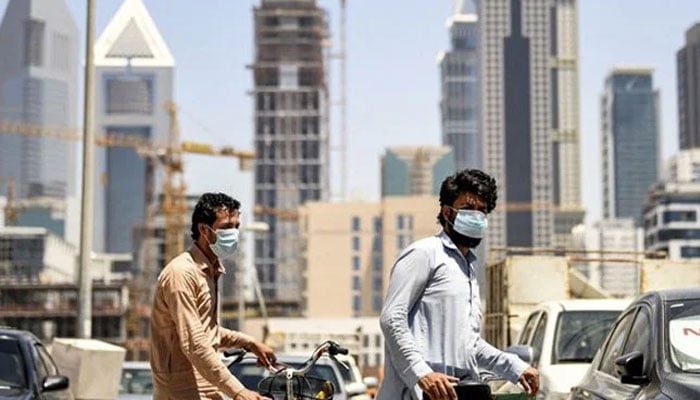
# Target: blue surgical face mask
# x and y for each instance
(226, 242)
(470, 223)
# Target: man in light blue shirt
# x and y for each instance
(431, 318)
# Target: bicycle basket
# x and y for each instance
(306, 387)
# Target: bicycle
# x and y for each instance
(289, 383)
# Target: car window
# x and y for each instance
(136, 381)
(51, 368)
(683, 319)
(12, 368)
(529, 327)
(39, 366)
(640, 334)
(616, 340)
(579, 334)
(538, 339)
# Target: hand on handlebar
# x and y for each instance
(266, 356)
(438, 386)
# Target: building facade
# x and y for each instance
(134, 82)
(349, 249)
(39, 86)
(671, 221)
(631, 141)
(688, 75)
(459, 75)
(601, 241)
(415, 170)
(529, 119)
(291, 133)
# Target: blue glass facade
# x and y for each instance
(631, 143)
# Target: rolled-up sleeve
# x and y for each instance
(179, 291)
(408, 279)
(508, 366)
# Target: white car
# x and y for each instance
(560, 339)
(136, 382)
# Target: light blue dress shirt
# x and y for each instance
(431, 321)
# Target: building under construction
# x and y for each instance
(291, 132)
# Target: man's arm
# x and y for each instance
(235, 339)
(179, 294)
(507, 365)
(406, 285)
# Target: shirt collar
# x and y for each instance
(447, 242)
(203, 262)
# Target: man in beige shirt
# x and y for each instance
(185, 334)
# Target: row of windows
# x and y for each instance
(287, 101)
(308, 125)
(288, 149)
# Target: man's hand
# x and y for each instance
(530, 379)
(266, 357)
(438, 386)
(246, 394)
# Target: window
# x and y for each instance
(613, 348)
(377, 283)
(356, 285)
(377, 340)
(579, 334)
(639, 337)
(400, 242)
(679, 216)
(355, 263)
(377, 222)
(12, 360)
(356, 303)
(690, 252)
(129, 95)
(355, 224)
(356, 243)
(34, 42)
(538, 339)
(399, 222)
(529, 327)
(377, 303)
(377, 263)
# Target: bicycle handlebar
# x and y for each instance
(329, 346)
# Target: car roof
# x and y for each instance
(586, 305)
(17, 334)
(674, 294)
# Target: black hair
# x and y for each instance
(468, 181)
(206, 208)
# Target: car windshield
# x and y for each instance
(684, 334)
(136, 381)
(11, 365)
(580, 333)
(250, 374)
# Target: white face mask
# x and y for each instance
(471, 223)
(226, 242)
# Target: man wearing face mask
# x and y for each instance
(431, 318)
(185, 334)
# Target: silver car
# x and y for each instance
(137, 381)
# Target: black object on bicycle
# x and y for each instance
(469, 390)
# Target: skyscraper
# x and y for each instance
(529, 114)
(291, 132)
(630, 135)
(459, 106)
(134, 81)
(688, 67)
(416, 170)
(38, 85)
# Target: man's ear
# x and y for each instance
(445, 210)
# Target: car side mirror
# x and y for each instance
(525, 353)
(54, 383)
(630, 367)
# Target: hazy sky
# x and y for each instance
(392, 75)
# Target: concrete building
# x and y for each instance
(38, 276)
(38, 85)
(415, 170)
(631, 141)
(671, 213)
(349, 249)
(601, 241)
(291, 132)
(459, 74)
(529, 119)
(134, 82)
(688, 70)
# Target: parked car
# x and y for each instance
(560, 339)
(136, 382)
(27, 370)
(348, 383)
(653, 352)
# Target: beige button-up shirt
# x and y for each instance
(185, 335)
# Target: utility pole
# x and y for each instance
(84, 326)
